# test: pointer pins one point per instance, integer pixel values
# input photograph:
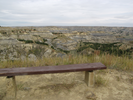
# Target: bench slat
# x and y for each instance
(51, 69)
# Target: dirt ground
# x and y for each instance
(118, 85)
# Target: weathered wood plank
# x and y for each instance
(51, 69)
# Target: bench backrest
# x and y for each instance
(51, 69)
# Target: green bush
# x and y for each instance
(28, 41)
(54, 38)
(56, 33)
(4, 32)
(20, 39)
(44, 40)
(37, 42)
(65, 51)
(109, 48)
(52, 47)
(82, 48)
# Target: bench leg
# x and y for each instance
(89, 78)
(15, 86)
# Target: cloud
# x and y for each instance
(66, 12)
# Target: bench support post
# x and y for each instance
(15, 86)
(89, 78)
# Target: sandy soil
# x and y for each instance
(69, 86)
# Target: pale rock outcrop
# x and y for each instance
(61, 55)
(47, 53)
(23, 58)
(9, 41)
(27, 37)
(32, 57)
(43, 34)
(27, 47)
(123, 47)
(65, 44)
(87, 52)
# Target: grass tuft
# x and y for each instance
(2, 94)
(100, 81)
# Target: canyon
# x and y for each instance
(19, 43)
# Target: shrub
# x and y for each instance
(82, 48)
(37, 42)
(28, 41)
(44, 40)
(54, 38)
(56, 33)
(4, 32)
(20, 39)
(52, 47)
(65, 51)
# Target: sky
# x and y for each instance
(66, 13)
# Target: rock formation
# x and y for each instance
(33, 42)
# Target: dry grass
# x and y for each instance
(99, 81)
(132, 92)
(111, 61)
(2, 90)
(117, 62)
(117, 78)
(2, 94)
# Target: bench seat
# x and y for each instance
(51, 69)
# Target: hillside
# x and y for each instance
(36, 42)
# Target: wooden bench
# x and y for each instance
(88, 68)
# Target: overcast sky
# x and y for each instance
(66, 13)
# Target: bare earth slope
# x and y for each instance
(114, 85)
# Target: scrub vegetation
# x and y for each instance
(110, 60)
